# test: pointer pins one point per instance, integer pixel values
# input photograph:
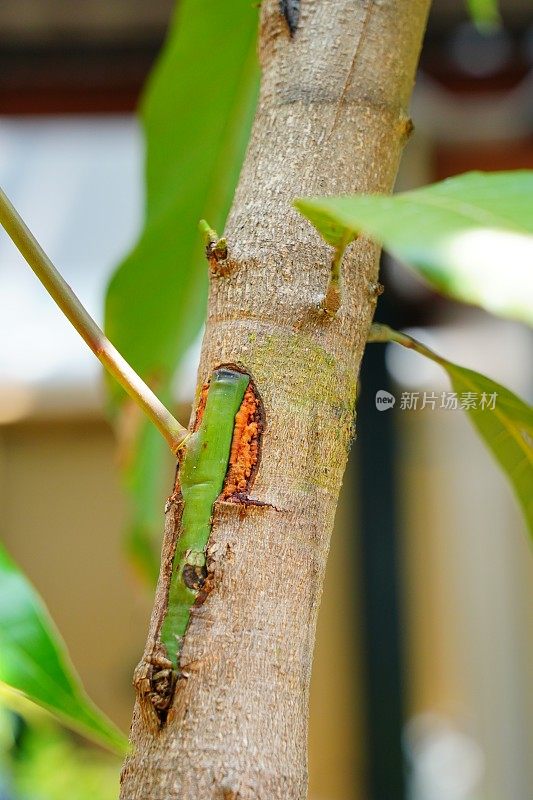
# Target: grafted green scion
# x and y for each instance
(202, 474)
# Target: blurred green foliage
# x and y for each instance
(485, 13)
(41, 761)
(196, 115)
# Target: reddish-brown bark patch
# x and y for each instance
(201, 406)
(244, 454)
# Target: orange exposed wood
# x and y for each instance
(244, 446)
(201, 405)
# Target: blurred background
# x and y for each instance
(423, 679)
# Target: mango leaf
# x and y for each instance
(147, 476)
(196, 115)
(34, 660)
(485, 13)
(503, 420)
(470, 237)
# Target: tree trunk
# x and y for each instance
(331, 119)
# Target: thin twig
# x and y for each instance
(383, 333)
(174, 433)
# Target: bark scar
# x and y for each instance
(291, 11)
(245, 445)
(217, 258)
(155, 680)
(242, 498)
(245, 453)
(376, 290)
(369, 7)
(191, 575)
(216, 250)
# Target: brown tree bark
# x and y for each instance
(332, 119)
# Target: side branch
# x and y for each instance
(59, 290)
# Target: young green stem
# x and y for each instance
(216, 246)
(174, 433)
(210, 235)
(202, 474)
(382, 333)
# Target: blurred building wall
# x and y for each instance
(469, 600)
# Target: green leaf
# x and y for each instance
(147, 477)
(196, 113)
(507, 431)
(503, 420)
(34, 660)
(470, 237)
(485, 13)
